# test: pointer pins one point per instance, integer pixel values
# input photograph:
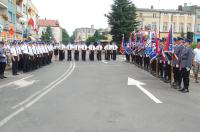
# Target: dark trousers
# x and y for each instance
(76, 55)
(108, 55)
(167, 72)
(186, 77)
(177, 75)
(20, 63)
(14, 65)
(83, 54)
(114, 54)
(25, 62)
(2, 68)
(69, 55)
(31, 63)
(91, 56)
(99, 55)
(160, 69)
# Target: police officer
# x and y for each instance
(14, 57)
(91, 54)
(99, 49)
(31, 56)
(83, 51)
(3, 60)
(25, 52)
(186, 64)
(69, 52)
(20, 63)
(115, 48)
(160, 59)
(76, 52)
(56, 51)
(177, 52)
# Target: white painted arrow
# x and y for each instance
(139, 85)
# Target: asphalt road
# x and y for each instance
(95, 97)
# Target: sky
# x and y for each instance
(74, 14)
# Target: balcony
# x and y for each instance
(3, 4)
(19, 28)
(19, 12)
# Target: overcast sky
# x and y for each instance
(83, 13)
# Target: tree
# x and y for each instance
(72, 38)
(182, 33)
(95, 38)
(48, 35)
(122, 19)
(65, 37)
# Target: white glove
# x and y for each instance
(187, 68)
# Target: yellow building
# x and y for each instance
(161, 20)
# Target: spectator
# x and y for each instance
(196, 62)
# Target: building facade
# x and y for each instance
(82, 34)
(161, 20)
(55, 27)
(15, 19)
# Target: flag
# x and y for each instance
(31, 22)
(169, 41)
(121, 50)
(157, 46)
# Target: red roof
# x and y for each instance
(45, 23)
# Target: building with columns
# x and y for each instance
(160, 20)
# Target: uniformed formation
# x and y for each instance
(167, 66)
(24, 56)
(80, 50)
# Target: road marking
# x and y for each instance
(41, 90)
(10, 83)
(138, 84)
(8, 118)
(104, 61)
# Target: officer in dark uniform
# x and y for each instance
(3, 60)
(160, 60)
(186, 64)
(177, 52)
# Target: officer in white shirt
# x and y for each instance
(20, 63)
(14, 57)
(69, 52)
(76, 52)
(56, 47)
(25, 52)
(31, 56)
(84, 50)
(114, 48)
(91, 50)
(99, 49)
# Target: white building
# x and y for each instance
(55, 27)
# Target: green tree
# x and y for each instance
(72, 38)
(122, 19)
(182, 33)
(90, 40)
(65, 37)
(48, 35)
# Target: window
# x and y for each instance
(154, 26)
(24, 8)
(189, 27)
(181, 27)
(9, 16)
(198, 28)
(174, 26)
(165, 26)
(154, 15)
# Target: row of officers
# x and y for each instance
(110, 51)
(177, 63)
(25, 56)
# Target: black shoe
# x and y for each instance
(185, 91)
(182, 89)
(4, 77)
